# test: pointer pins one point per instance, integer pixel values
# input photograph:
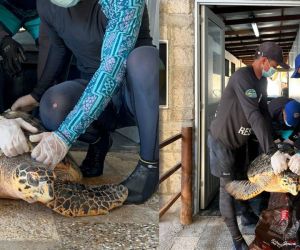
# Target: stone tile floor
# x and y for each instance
(206, 233)
(33, 226)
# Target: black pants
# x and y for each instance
(135, 104)
(228, 165)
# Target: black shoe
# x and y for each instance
(142, 182)
(93, 164)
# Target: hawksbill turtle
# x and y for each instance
(262, 178)
(21, 177)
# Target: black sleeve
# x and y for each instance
(144, 37)
(53, 58)
(253, 114)
(265, 110)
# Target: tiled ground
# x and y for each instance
(206, 233)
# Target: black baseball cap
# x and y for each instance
(272, 51)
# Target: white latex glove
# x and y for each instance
(12, 138)
(50, 150)
(294, 164)
(25, 103)
(279, 162)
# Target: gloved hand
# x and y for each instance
(294, 163)
(50, 150)
(13, 55)
(25, 103)
(279, 162)
(13, 141)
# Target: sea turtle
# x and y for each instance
(262, 178)
(23, 178)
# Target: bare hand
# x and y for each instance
(25, 103)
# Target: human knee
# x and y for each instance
(143, 63)
(55, 104)
(143, 55)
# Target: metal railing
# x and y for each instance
(186, 176)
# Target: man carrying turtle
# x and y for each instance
(243, 110)
(111, 43)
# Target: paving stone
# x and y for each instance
(23, 221)
(186, 243)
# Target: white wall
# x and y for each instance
(231, 58)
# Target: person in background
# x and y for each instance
(15, 81)
(242, 110)
(296, 73)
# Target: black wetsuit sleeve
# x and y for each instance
(144, 38)
(251, 109)
(53, 58)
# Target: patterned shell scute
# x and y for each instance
(261, 165)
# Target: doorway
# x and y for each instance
(212, 43)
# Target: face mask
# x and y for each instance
(269, 73)
(65, 3)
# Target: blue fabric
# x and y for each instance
(297, 66)
(292, 111)
(285, 134)
(11, 22)
(124, 20)
(13, 18)
(33, 27)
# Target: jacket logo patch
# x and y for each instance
(251, 93)
(245, 131)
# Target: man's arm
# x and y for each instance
(124, 20)
(250, 106)
(53, 56)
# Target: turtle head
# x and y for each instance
(290, 184)
(33, 183)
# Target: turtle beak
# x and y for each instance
(294, 190)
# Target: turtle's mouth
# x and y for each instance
(290, 185)
(294, 190)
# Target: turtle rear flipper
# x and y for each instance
(72, 200)
(243, 190)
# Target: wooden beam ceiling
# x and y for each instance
(251, 52)
(237, 9)
(287, 34)
(258, 42)
(245, 46)
(250, 57)
(262, 19)
(262, 30)
(237, 50)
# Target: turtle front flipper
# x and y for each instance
(243, 190)
(72, 200)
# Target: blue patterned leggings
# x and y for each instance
(137, 103)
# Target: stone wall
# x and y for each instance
(177, 26)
